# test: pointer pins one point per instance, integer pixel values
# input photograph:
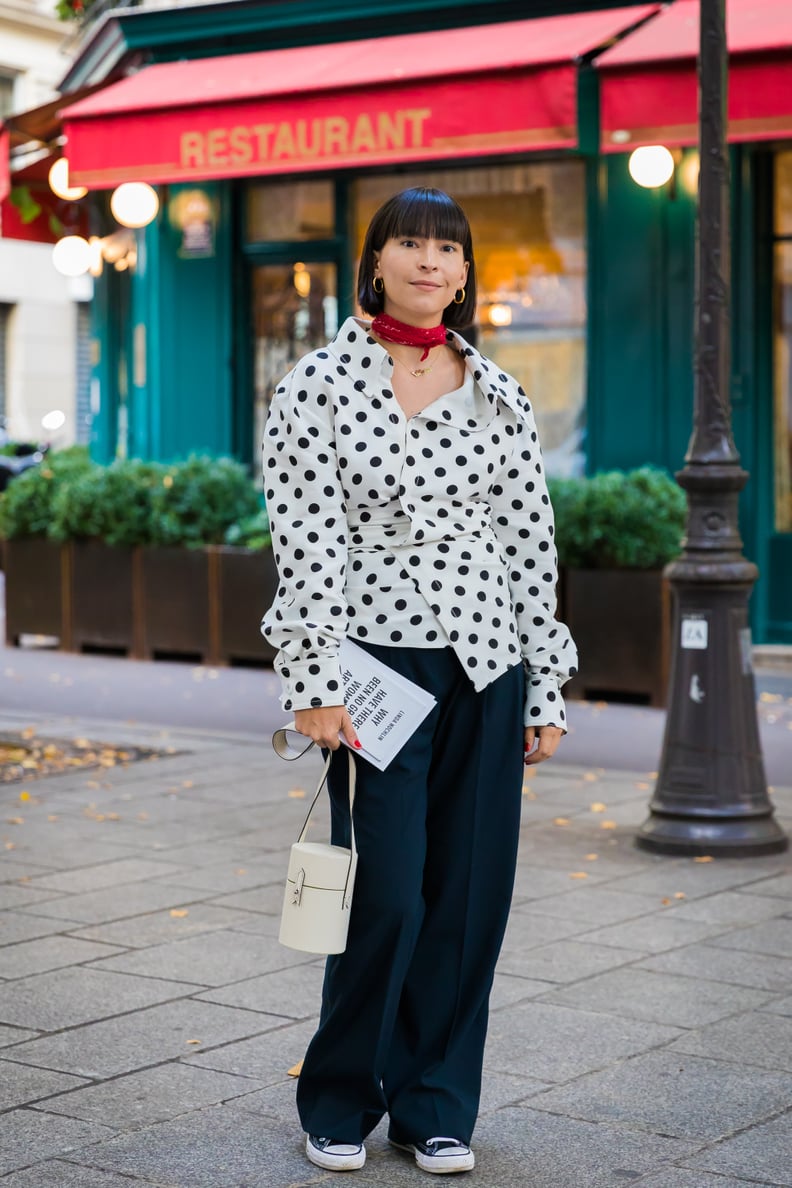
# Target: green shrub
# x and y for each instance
(251, 533)
(26, 506)
(195, 502)
(618, 520)
(111, 503)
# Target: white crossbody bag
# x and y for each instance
(320, 878)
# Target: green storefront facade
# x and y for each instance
(589, 289)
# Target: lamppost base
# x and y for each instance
(733, 837)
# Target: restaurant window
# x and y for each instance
(528, 224)
(290, 211)
(782, 344)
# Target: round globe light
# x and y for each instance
(59, 182)
(72, 255)
(651, 166)
(54, 420)
(134, 204)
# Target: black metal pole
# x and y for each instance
(711, 795)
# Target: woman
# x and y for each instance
(409, 511)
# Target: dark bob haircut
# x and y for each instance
(423, 214)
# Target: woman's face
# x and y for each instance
(420, 277)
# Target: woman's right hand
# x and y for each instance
(324, 725)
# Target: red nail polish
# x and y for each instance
(359, 745)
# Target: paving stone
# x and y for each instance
(14, 895)
(554, 1043)
(114, 903)
(16, 926)
(679, 1177)
(659, 998)
(725, 965)
(106, 874)
(64, 849)
(14, 867)
(564, 961)
(23, 1132)
(526, 930)
(773, 937)
(536, 883)
(153, 1095)
(70, 997)
(672, 1093)
(778, 884)
(730, 908)
(50, 952)
(266, 900)
(520, 1146)
(14, 1035)
(652, 935)
(695, 879)
(265, 1057)
(596, 906)
(294, 993)
(760, 1154)
(156, 928)
(213, 959)
(508, 989)
(780, 1006)
(759, 1039)
(230, 876)
(55, 1173)
(20, 1085)
(220, 1147)
(146, 1037)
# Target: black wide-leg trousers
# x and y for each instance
(404, 1008)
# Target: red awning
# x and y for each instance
(649, 85)
(421, 96)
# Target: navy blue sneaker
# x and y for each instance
(334, 1155)
(440, 1155)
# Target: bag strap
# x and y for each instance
(287, 750)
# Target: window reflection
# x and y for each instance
(783, 343)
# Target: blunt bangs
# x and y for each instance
(422, 214)
(418, 213)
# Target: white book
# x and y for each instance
(385, 708)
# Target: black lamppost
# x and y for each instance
(711, 795)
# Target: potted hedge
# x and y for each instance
(100, 516)
(192, 505)
(615, 532)
(37, 598)
(247, 581)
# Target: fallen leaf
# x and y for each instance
(592, 857)
(579, 874)
(52, 817)
(608, 825)
(295, 1070)
(10, 845)
(703, 858)
(590, 777)
(142, 816)
(642, 787)
(561, 821)
(24, 796)
(15, 820)
(187, 783)
(179, 913)
(194, 1041)
(665, 902)
(680, 895)
(770, 697)
(241, 871)
(29, 732)
(297, 793)
(597, 807)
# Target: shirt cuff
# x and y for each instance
(544, 705)
(309, 684)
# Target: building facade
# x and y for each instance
(276, 163)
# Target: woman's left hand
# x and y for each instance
(549, 738)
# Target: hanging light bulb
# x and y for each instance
(134, 204)
(72, 255)
(59, 182)
(651, 166)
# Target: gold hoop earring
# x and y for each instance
(381, 288)
(459, 299)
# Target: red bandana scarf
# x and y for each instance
(391, 330)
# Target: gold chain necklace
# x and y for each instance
(418, 372)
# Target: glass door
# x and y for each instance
(294, 310)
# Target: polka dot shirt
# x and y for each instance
(429, 531)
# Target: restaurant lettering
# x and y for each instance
(323, 137)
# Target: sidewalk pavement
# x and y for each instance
(641, 1029)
